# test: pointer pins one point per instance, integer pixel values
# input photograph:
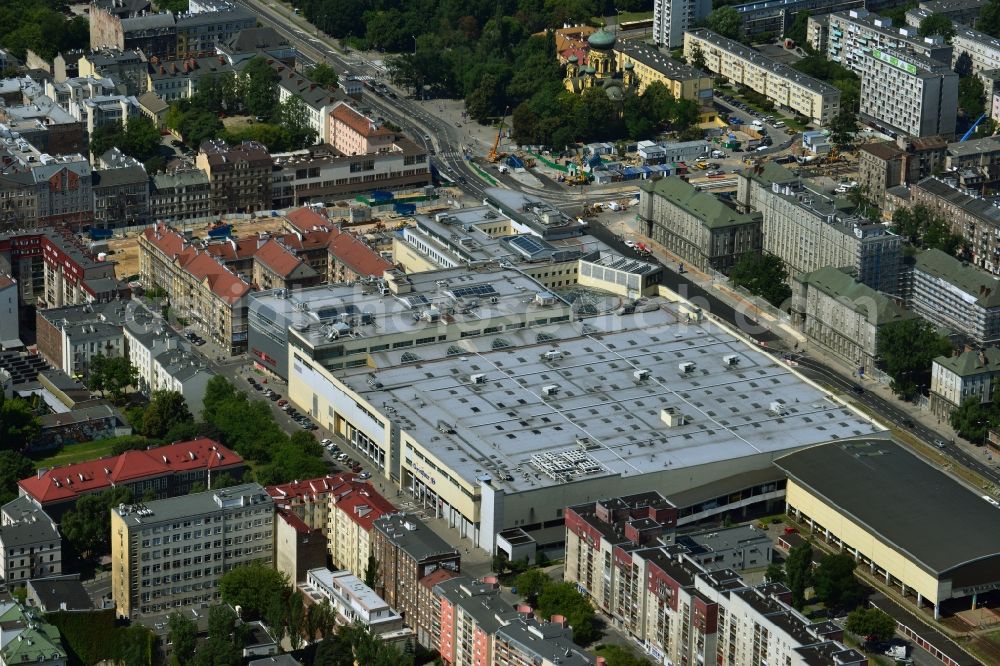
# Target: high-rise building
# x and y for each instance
(173, 552)
(671, 18)
(908, 94)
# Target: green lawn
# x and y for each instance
(79, 452)
(626, 17)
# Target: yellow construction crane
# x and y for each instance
(494, 155)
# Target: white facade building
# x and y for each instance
(672, 18)
(908, 94)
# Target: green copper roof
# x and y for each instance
(979, 284)
(876, 306)
(972, 362)
(711, 211)
(602, 39)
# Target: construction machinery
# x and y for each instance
(494, 155)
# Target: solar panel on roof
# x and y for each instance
(475, 290)
(332, 312)
(527, 244)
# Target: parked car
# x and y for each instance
(251, 380)
(365, 475)
(282, 402)
(326, 442)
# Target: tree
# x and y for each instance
(292, 116)
(113, 375)
(14, 466)
(936, 24)
(871, 622)
(763, 275)
(775, 573)
(798, 573)
(219, 392)
(87, 526)
(296, 622)
(923, 227)
(225, 639)
(259, 89)
(373, 578)
(564, 599)
(183, 636)
(972, 420)
(139, 138)
(906, 350)
(844, 127)
(724, 20)
(697, 59)
(971, 97)
(257, 589)
(989, 19)
(134, 646)
(323, 74)
(19, 426)
(616, 655)
(798, 30)
(531, 583)
(166, 409)
(834, 581)
(320, 620)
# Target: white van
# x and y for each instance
(779, 124)
(757, 123)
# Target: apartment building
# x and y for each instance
(165, 362)
(173, 552)
(959, 11)
(322, 173)
(18, 200)
(298, 548)
(818, 32)
(357, 604)
(409, 552)
(855, 30)
(650, 64)
(167, 471)
(676, 607)
(697, 226)
(788, 88)
(672, 18)
(344, 508)
(178, 78)
(9, 308)
(200, 287)
(179, 195)
(961, 298)
(121, 191)
(908, 94)
(809, 230)
(907, 160)
(29, 639)
(843, 316)
(318, 101)
(46, 126)
(64, 192)
(776, 16)
(30, 545)
(70, 337)
(974, 164)
(240, 176)
(276, 266)
(353, 133)
(982, 50)
(973, 374)
(974, 218)
(127, 68)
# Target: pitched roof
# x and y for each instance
(286, 493)
(876, 306)
(884, 150)
(711, 211)
(280, 260)
(306, 218)
(363, 504)
(357, 256)
(201, 264)
(438, 576)
(64, 483)
(293, 521)
(979, 284)
(354, 119)
(972, 362)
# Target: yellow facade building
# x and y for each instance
(905, 521)
(651, 64)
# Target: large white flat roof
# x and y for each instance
(601, 419)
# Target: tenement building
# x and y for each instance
(974, 218)
(961, 298)
(173, 552)
(908, 94)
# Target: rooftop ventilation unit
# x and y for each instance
(445, 427)
(687, 367)
(552, 355)
(430, 315)
(672, 417)
(731, 359)
(545, 298)
(478, 378)
(777, 408)
(641, 375)
(550, 390)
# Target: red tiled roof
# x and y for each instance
(308, 240)
(278, 258)
(5, 281)
(298, 490)
(347, 115)
(294, 521)
(362, 504)
(203, 266)
(357, 256)
(63, 483)
(306, 218)
(233, 250)
(437, 576)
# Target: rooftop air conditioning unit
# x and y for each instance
(686, 367)
(776, 407)
(552, 355)
(478, 378)
(641, 375)
(731, 360)
(550, 390)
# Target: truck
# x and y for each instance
(897, 652)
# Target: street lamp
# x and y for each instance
(618, 23)
(414, 45)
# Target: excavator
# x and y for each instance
(494, 155)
